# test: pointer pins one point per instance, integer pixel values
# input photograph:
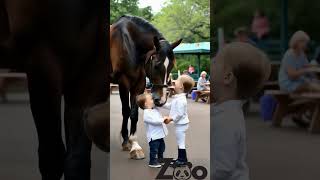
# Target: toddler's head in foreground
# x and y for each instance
(238, 72)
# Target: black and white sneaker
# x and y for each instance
(155, 165)
(161, 161)
(173, 161)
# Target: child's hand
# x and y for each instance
(167, 120)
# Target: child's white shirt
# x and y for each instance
(228, 141)
(155, 127)
(178, 109)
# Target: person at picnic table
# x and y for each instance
(293, 74)
(155, 128)
(238, 73)
(179, 115)
(191, 69)
(202, 82)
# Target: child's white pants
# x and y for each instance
(181, 135)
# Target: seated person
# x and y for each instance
(293, 76)
(201, 85)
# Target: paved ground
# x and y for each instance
(197, 143)
(273, 153)
(18, 139)
(286, 153)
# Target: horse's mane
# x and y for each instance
(143, 24)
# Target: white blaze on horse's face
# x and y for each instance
(164, 94)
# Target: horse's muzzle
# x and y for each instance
(157, 100)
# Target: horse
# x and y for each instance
(62, 47)
(137, 50)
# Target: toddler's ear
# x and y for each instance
(228, 78)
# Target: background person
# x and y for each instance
(201, 85)
(260, 25)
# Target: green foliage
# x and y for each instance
(122, 7)
(303, 15)
(187, 19)
(183, 62)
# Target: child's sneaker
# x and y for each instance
(155, 165)
(161, 161)
(173, 161)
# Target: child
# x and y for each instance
(155, 127)
(178, 114)
(238, 73)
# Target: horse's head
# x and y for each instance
(159, 64)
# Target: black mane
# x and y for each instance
(144, 24)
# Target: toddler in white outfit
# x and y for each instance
(178, 114)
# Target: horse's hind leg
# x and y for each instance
(78, 160)
(124, 96)
(44, 85)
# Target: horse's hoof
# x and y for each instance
(137, 154)
(126, 146)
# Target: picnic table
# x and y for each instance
(314, 99)
(5, 75)
(293, 102)
(314, 69)
(202, 95)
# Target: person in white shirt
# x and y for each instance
(238, 73)
(155, 128)
(201, 85)
(179, 115)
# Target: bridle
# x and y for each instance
(149, 63)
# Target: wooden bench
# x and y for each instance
(282, 108)
(314, 100)
(113, 87)
(202, 94)
(289, 103)
(271, 85)
(5, 80)
(147, 90)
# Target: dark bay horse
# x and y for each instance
(138, 50)
(61, 45)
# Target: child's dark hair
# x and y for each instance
(141, 99)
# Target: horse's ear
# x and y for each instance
(175, 44)
(156, 43)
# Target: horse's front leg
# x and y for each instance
(124, 96)
(136, 151)
(45, 90)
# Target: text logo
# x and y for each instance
(182, 172)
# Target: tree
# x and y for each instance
(231, 14)
(187, 19)
(122, 7)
